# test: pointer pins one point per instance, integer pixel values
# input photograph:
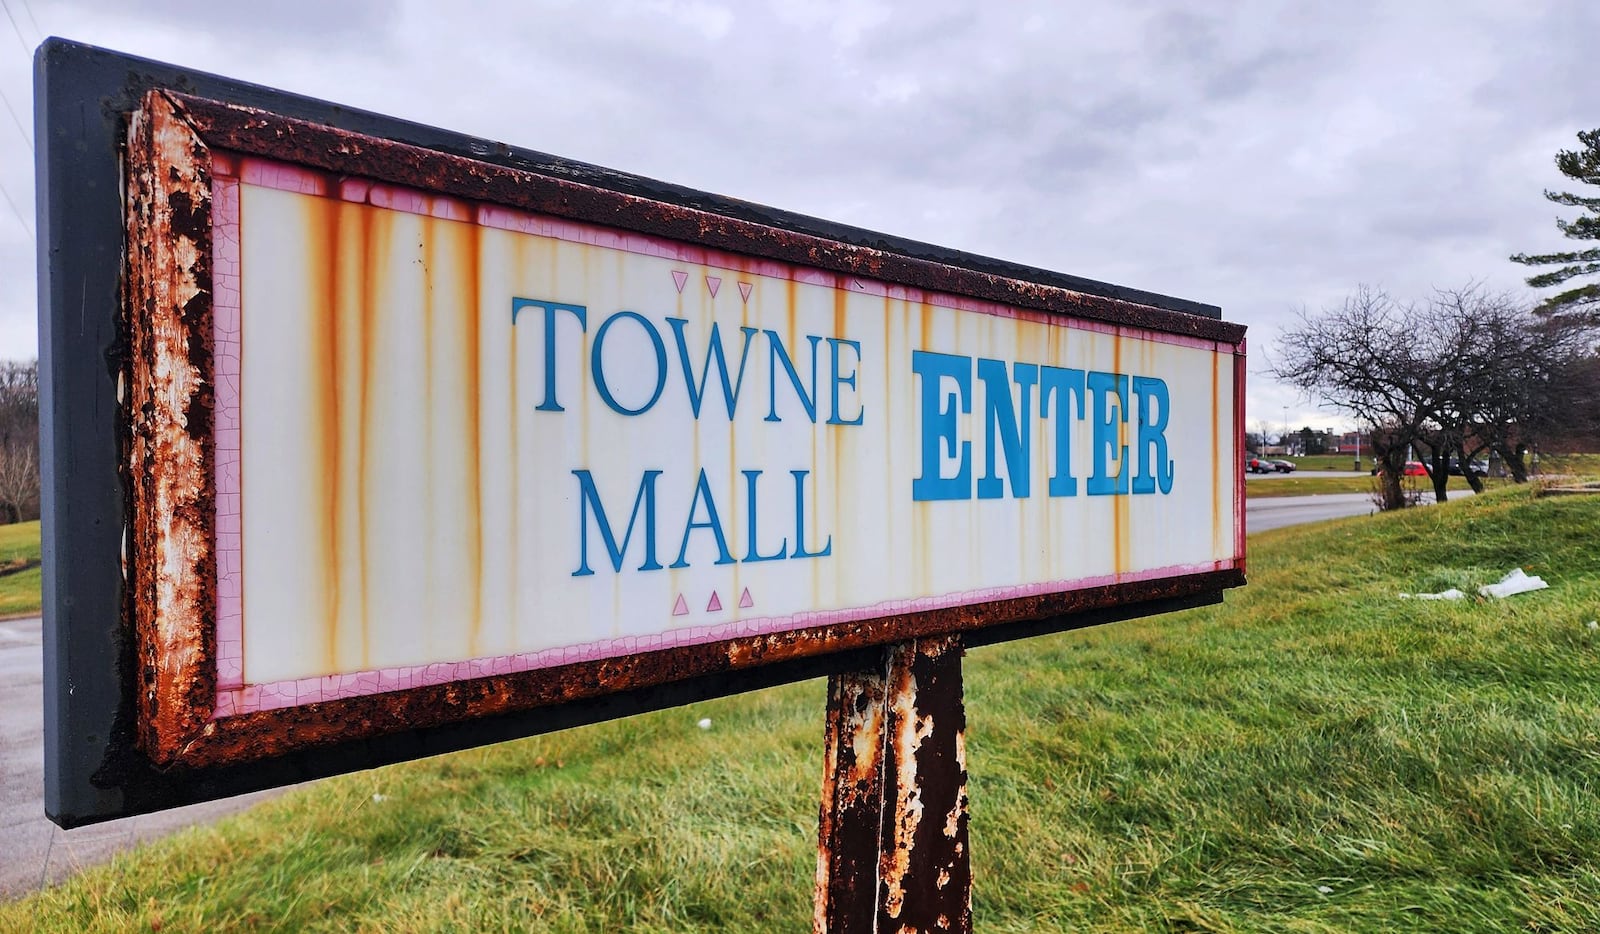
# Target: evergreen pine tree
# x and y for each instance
(1581, 165)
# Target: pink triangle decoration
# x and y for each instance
(744, 291)
(715, 604)
(679, 277)
(745, 601)
(713, 283)
(681, 608)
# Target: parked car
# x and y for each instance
(1257, 465)
(1412, 469)
(1478, 468)
(1282, 466)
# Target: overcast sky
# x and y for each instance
(1258, 159)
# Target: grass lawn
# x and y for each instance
(1579, 465)
(1314, 755)
(19, 590)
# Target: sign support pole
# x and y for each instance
(892, 847)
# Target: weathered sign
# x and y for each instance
(416, 431)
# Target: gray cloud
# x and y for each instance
(1254, 157)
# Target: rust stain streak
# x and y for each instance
(431, 385)
(471, 273)
(1119, 504)
(373, 248)
(1217, 474)
(325, 372)
(514, 542)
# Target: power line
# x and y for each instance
(17, 120)
(17, 211)
(26, 50)
(28, 54)
(31, 21)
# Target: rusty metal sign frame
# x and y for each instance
(128, 647)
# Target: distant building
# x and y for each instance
(1347, 444)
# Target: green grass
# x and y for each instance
(1578, 465)
(1313, 755)
(19, 590)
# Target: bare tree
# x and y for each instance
(1519, 377)
(19, 482)
(19, 441)
(1465, 372)
(1361, 358)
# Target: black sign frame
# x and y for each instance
(96, 767)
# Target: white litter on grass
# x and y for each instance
(1326, 890)
(1594, 624)
(379, 799)
(1512, 584)
(1509, 586)
(704, 724)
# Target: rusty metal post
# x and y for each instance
(892, 851)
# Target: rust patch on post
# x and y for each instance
(926, 866)
(167, 304)
(893, 851)
(852, 803)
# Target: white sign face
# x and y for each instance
(457, 440)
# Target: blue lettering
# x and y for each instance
(1014, 426)
(730, 390)
(598, 369)
(702, 494)
(1064, 386)
(834, 343)
(776, 354)
(550, 403)
(1154, 467)
(939, 424)
(800, 520)
(1107, 446)
(587, 495)
(753, 553)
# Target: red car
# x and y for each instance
(1412, 469)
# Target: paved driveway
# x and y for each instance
(35, 852)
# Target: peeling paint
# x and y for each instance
(167, 295)
(881, 866)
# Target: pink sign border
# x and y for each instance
(234, 696)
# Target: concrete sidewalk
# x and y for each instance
(35, 852)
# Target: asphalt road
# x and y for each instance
(1307, 473)
(38, 853)
(1271, 512)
